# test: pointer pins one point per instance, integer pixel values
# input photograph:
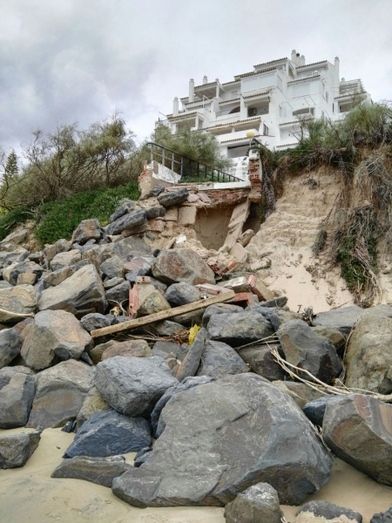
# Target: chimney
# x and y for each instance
(293, 55)
(205, 79)
(337, 68)
(175, 105)
(191, 90)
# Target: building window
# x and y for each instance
(256, 110)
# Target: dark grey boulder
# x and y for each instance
(155, 212)
(192, 381)
(261, 361)
(172, 198)
(258, 503)
(113, 267)
(358, 430)
(220, 438)
(238, 328)
(219, 308)
(219, 359)
(101, 471)
(382, 517)
(109, 433)
(281, 301)
(60, 393)
(17, 389)
(181, 293)
(87, 230)
(132, 386)
(329, 511)
(123, 207)
(94, 320)
(10, 345)
(119, 293)
(315, 409)
(16, 449)
(307, 350)
(182, 265)
(342, 319)
(138, 266)
(191, 361)
(128, 222)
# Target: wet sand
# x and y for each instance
(30, 495)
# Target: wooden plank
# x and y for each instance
(163, 315)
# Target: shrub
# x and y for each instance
(60, 218)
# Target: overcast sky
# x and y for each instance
(66, 61)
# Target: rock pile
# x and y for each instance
(215, 419)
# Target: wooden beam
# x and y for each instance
(163, 315)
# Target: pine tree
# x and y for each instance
(11, 167)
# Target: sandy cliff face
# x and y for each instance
(286, 239)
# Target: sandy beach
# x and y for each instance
(29, 494)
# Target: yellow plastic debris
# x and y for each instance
(193, 333)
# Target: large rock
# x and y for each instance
(124, 206)
(65, 259)
(80, 294)
(87, 230)
(16, 303)
(97, 470)
(16, 449)
(258, 503)
(324, 511)
(262, 362)
(300, 392)
(148, 299)
(92, 403)
(368, 357)
(130, 222)
(222, 437)
(182, 265)
(172, 198)
(219, 359)
(10, 345)
(16, 272)
(109, 433)
(239, 328)
(11, 254)
(108, 349)
(359, 430)
(305, 349)
(53, 336)
(342, 319)
(119, 293)
(60, 393)
(132, 386)
(93, 321)
(182, 293)
(315, 409)
(17, 389)
(191, 361)
(113, 267)
(382, 517)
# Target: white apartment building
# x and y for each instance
(269, 101)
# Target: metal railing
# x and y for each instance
(188, 169)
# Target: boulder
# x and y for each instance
(315, 510)
(11, 254)
(358, 430)
(124, 206)
(333, 335)
(61, 245)
(112, 282)
(191, 361)
(113, 267)
(60, 393)
(147, 299)
(219, 308)
(239, 328)
(87, 230)
(182, 265)
(17, 389)
(16, 303)
(132, 386)
(138, 266)
(101, 471)
(79, 294)
(16, 449)
(94, 320)
(261, 361)
(197, 460)
(10, 345)
(53, 336)
(382, 517)
(258, 503)
(129, 222)
(173, 198)
(26, 270)
(157, 424)
(368, 356)
(307, 350)
(155, 212)
(300, 392)
(182, 293)
(342, 319)
(109, 433)
(119, 293)
(65, 259)
(93, 402)
(108, 349)
(219, 359)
